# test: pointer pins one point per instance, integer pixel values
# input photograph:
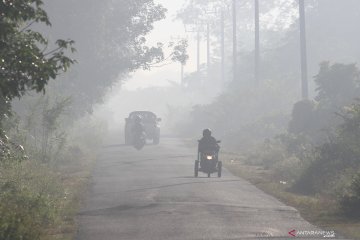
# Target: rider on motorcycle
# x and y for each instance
(208, 143)
(138, 128)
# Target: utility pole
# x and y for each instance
(257, 42)
(208, 47)
(234, 42)
(198, 51)
(182, 74)
(197, 28)
(182, 65)
(303, 50)
(222, 46)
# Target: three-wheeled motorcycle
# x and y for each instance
(208, 162)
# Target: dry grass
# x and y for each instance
(75, 180)
(320, 210)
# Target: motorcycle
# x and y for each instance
(139, 141)
(208, 162)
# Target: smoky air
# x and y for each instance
(180, 120)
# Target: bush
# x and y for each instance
(350, 201)
(289, 169)
(30, 199)
(331, 160)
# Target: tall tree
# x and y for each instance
(111, 42)
(303, 50)
(234, 40)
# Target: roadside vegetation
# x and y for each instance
(41, 187)
(308, 159)
(49, 138)
(306, 153)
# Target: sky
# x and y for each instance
(165, 31)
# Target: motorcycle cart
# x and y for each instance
(208, 163)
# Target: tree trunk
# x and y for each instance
(234, 42)
(222, 46)
(303, 50)
(257, 42)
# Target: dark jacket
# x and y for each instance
(138, 129)
(208, 145)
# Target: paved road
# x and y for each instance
(152, 195)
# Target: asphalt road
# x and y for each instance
(152, 195)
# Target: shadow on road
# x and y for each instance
(191, 177)
(180, 184)
(115, 210)
(115, 145)
(125, 145)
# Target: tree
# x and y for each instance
(303, 118)
(337, 84)
(26, 64)
(111, 42)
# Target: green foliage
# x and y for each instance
(30, 196)
(335, 158)
(337, 87)
(337, 84)
(179, 53)
(303, 117)
(10, 151)
(40, 194)
(150, 57)
(25, 64)
(331, 160)
(43, 127)
(350, 200)
(349, 130)
(5, 106)
(283, 155)
(111, 42)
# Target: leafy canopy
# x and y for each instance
(26, 64)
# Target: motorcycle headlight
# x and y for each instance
(209, 157)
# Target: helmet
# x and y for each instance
(137, 118)
(207, 132)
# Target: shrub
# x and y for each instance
(350, 201)
(330, 161)
(289, 169)
(30, 198)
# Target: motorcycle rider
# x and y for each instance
(208, 143)
(138, 128)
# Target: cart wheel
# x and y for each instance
(196, 168)
(219, 168)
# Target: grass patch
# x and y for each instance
(74, 178)
(39, 201)
(321, 211)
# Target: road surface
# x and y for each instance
(152, 195)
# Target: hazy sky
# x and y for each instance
(165, 31)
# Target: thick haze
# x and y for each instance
(328, 39)
(280, 89)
